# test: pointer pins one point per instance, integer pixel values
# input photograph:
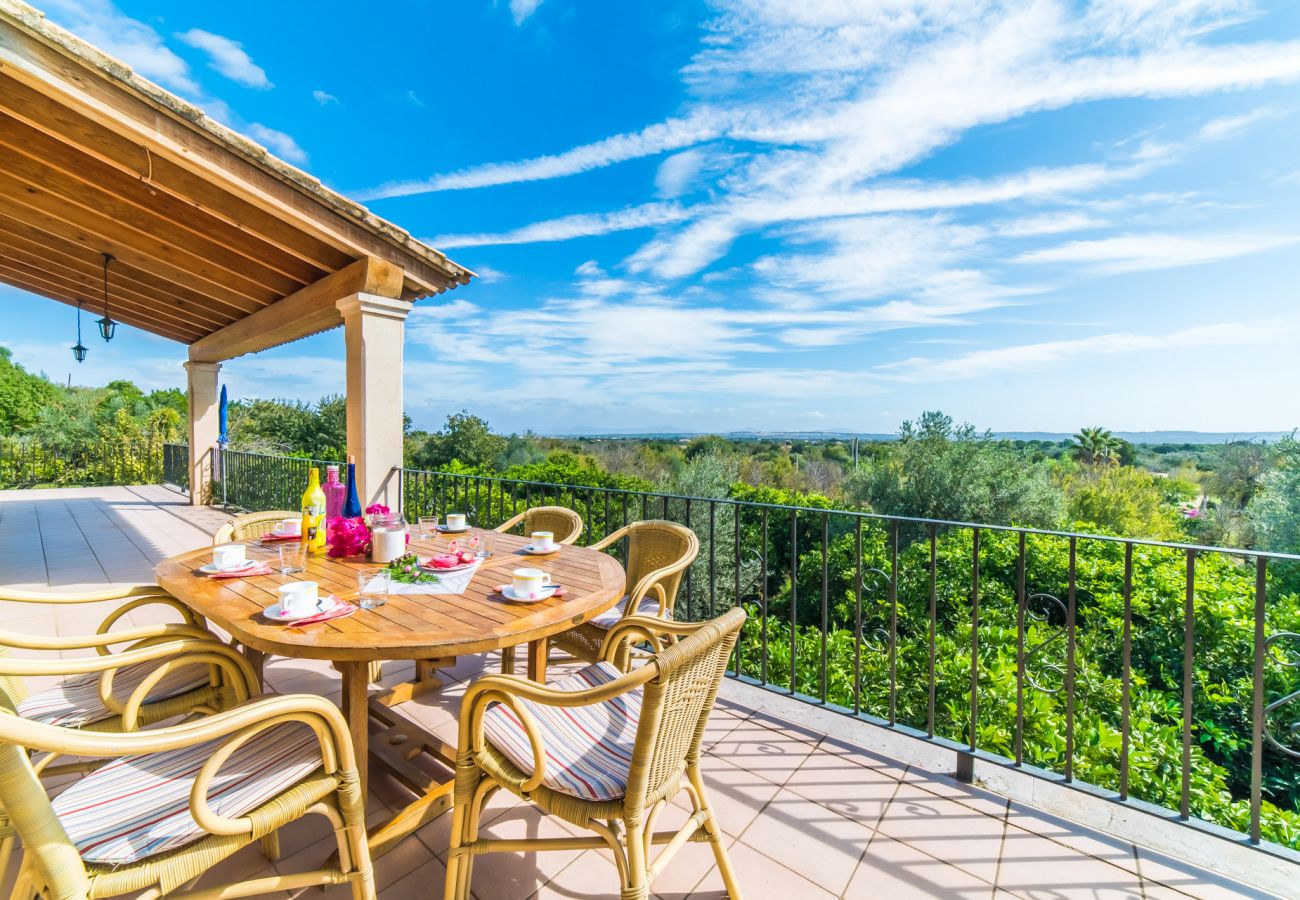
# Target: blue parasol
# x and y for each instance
(224, 437)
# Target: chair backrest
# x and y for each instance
(564, 523)
(676, 705)
(251, 525)
(655, 544)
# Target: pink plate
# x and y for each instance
(435, 569)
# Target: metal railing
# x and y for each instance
(258, 481)
(176, 465)
(27, 464)
(1152, 673)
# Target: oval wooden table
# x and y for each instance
(432, 629)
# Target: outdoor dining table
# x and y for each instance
(431, 629)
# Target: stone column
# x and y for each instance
(205, 426)
(374, 329)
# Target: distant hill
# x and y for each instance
(1133, 437)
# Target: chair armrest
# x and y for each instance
(100, 642)
(509, 690)
(659, 633)
(511, 522)
(610, 539)
(161, 598)
(113, 593)
(170, 656)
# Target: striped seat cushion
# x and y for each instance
(139, 806)
(649, 606)
(75, 702)
(588, 748)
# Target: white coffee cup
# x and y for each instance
(530, 582)
(455, 521)
(543, 540)
(228, 556)
(289, 526)
(299, 598)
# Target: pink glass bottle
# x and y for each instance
(335, 493)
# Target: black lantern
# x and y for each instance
(106, 325)
(79, 351)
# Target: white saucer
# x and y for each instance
(546, 594)
(443, 529)
(273, 613)
(212, 569)
(532, 551)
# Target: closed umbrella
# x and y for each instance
(222, 440)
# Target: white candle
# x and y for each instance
(386, 545)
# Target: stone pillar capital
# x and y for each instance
(194, 365)
(373, 305)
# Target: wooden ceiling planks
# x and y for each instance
(206, 227)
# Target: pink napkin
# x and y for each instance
(272, 537)
(501, 589)
(337, 611)
(258, 569)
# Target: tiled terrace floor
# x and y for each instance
(808, 815)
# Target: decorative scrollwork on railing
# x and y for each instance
(1288, 658)
(875, 582)
(1039, 608)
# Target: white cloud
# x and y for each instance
(1139, 252)
(1039, 356)
(279, 143)
(227, 57)
(1049, 223)
(323, 98)
(677, 172)
(568, 227)
(1231, 126)
(522, 9)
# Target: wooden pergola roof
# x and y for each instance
(217, 243)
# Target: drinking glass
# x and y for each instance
(372, 588)
(293, 557)
(428, 527)
(485, 543)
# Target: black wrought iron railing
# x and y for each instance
(29, 464)
(1160, 675)
(258, 481)
(176, 465)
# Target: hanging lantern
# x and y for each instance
(78, 350)
(106, 325)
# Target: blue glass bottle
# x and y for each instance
(352, 506)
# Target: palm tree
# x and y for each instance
(1095, 446)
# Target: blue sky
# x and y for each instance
(776, 214)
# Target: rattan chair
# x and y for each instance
(177, 800)
(658, 555)
(604, 751)
(561, 521)
(251, 526)
(166, 671)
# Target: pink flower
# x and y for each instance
(378, 508)
(348, 537)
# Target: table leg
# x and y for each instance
(356, 709)
(257, 659)
(538, 650)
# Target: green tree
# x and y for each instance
(466, 439)
(22, 395)
(940, 471)
(1120, 500)
(1095, 446)
(1275, 510)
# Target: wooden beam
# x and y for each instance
(84, 174)
(98, 233)
(171, 128)
(88, 284)
(53, 292)
(186, 303)
(129, 157)
(309, 311)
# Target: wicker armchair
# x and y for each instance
(658, 555)
(165, 671)
(176, 801)
(561, 521)
(251, 526)
(602, 750)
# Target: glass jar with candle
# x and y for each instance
(387, 537)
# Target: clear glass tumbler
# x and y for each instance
(428, 527)
(486, 543)
(293, 557)
(373, 586)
